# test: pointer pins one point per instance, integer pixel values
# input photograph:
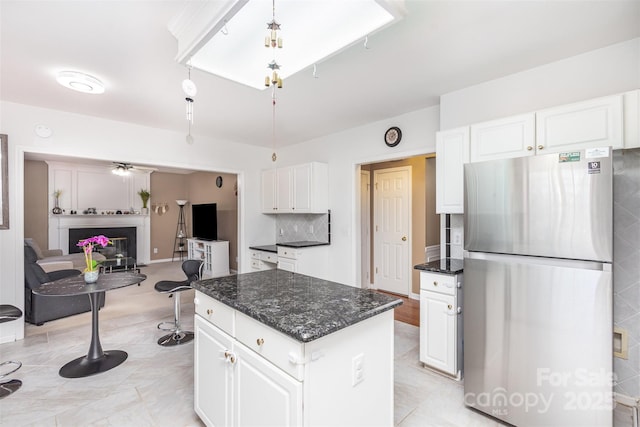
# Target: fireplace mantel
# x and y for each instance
(59, 226)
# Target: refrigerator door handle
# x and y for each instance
(523, 259)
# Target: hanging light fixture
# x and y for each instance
(273, 41)
(190, 90)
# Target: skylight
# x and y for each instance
(312, 30)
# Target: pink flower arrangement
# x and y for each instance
(87, 246)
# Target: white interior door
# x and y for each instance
(392, 202)
(365, 229)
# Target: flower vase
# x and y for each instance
(56, 210)
(91, 276)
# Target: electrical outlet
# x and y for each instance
(155, 250)
(311, 229)
(457, 238)
(295, 228)
(357, 369)
(281, 232)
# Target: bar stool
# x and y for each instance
(9, 313)
(193, 270)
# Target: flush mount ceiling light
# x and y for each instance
(80, 82)
(315, 30)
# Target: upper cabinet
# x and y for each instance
(610, 121)
(296, 189)
(452, 151)
(503, 138)
(593, 123)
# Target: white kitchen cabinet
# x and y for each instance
(248, 374)
(264, 394)
(631, 119)
(212, 377)
(588, 124)
(296, 189)
(263, 260)
(268, 187)
(214, 255)
(452, 152)
(503, 138)
(441, 322)
(309, 260)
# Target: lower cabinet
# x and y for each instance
(212, 376)
(264, 395)
(238, 387)
(249, 374)
(441, 322)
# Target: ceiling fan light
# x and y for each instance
(80, 82)
(120, 171)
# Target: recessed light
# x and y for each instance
(80, 82)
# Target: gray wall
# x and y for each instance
(626, 265)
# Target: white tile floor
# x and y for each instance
(154, 387)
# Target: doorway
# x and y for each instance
(424, 232)
(392, 229)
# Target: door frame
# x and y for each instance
(365, 224)
(408, 218)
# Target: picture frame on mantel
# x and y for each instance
(4, 182)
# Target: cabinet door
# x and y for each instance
(284, 192)
(438, 321)
(302, 176)
(264, 394)
(504, 138)
(593, 123)
(287, 264)
(269, 191)
(213, 375)
(452, 150)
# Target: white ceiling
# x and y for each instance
(439, 47)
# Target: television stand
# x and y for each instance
(214, 255)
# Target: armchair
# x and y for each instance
(38, 308)
(53, 259)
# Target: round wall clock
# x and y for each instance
(392, 136)
(219, 182)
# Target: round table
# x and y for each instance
(96, 360)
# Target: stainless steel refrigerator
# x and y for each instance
(538, 321)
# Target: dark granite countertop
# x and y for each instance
(444, 265)
(302, 307)
(301, 244)
(265, 248)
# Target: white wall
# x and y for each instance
(610, 70)
(91, 137)
(343, 151)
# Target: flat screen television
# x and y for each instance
(204, 221)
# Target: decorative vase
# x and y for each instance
(91, 276)
(56, 210)
(144, 211)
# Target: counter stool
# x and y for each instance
(193, 270)
(9, 313)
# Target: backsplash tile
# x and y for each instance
(626, 265)
(302, 227)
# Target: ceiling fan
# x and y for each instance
(124, 169)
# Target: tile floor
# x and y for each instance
(154, 387)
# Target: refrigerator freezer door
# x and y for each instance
(538, 341)
(541, 206)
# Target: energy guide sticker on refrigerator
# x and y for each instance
(538, 317)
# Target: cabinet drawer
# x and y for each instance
(255, 255)
(288, 253)
(269, 257)
(256, 264)
(215, 312)
(279, 349)
(441, 283)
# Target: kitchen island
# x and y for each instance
(281, 348)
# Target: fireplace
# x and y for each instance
(60, 236)
(123, 240)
